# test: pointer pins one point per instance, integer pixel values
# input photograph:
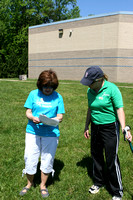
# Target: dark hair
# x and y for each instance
(102, 78)
(105, 77)
(47, 78)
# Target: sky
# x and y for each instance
(97, 7)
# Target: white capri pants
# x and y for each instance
(36, 146)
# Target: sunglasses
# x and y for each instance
(47, 87)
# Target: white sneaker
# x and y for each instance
(116, 198)
(94, 189)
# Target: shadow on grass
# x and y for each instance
(58, 166)
(87, 162)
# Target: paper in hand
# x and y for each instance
(48, 121)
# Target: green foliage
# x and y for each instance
(73, 164)
(16, 17)
(65, 9)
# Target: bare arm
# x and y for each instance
(31, 117)
(59, 117)
(121, 117)
(88, 120)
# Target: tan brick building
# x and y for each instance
(70, 47)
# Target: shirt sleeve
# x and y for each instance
(29, 101)
(88, 91)
(61, 109)
(117, 97)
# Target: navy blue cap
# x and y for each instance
(91, 74)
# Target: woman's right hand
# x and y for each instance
(86, 134)
(31, 117)
(36, 120)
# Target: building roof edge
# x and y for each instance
(83, 18)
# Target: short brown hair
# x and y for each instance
(49, 78)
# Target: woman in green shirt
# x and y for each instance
(106, 114)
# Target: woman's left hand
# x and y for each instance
(59, 117)
(128, 136)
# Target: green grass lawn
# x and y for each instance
(73, 164)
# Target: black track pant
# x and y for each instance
(106, 137)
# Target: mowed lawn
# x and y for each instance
(73, 163)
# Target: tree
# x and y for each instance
(16, 17)
(65, 9)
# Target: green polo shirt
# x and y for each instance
(104, 104)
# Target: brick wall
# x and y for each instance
(106, 41)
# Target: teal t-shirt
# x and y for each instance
(48, 105)
(104, 104)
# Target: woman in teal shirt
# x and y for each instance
(106, 114)
(41, 140)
